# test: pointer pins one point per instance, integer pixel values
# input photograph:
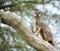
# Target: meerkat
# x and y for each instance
(42, 28)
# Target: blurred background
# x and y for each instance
(10, 40)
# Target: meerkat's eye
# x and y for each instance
(39, 14)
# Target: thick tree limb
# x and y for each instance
(15, 22)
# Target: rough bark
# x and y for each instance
(31, 39)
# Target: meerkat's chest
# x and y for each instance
(38, 21)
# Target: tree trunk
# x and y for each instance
(31, 39)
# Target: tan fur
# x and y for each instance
(42, 28)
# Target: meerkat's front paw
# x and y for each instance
(33, 31)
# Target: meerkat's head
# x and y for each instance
(37, 14)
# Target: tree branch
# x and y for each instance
(15, 22)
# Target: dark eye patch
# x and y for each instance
(39, 12)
